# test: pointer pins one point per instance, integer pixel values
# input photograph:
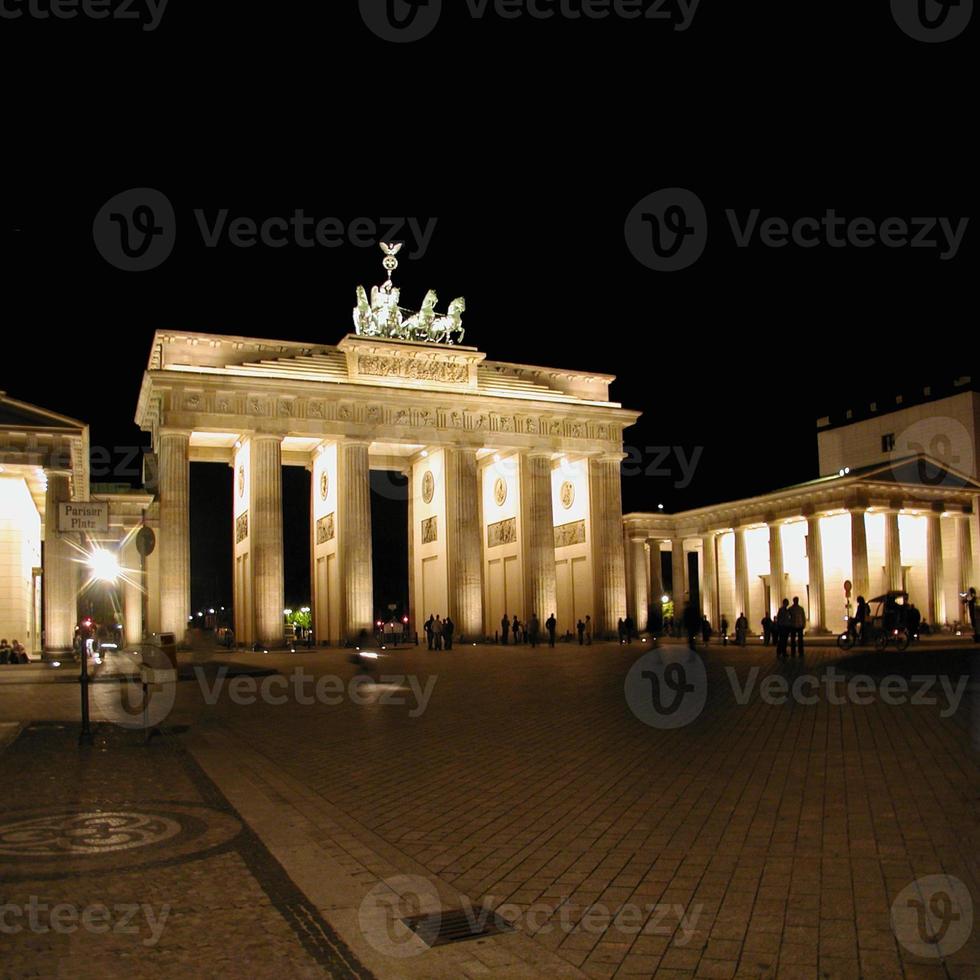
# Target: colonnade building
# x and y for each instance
(894, 509)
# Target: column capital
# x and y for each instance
(264, 437)
(169, 431)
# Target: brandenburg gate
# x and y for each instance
(513, 472)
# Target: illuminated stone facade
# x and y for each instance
(514, 502)
(901, 518)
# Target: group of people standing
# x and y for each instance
(786, 628)
(529, 632)
(439, 633)
(15, 654)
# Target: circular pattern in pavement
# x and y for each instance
(56, 842)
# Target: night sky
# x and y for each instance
(529, 142)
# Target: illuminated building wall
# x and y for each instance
(20, 552)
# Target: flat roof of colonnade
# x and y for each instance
(916, 484)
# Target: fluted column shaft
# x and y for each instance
(893, 552)
(860, 579)
(777, 582)
(934, 569)
(709, 584)
(678, 574)
(741, 574)
(354, 507)
(538, 530)
(638, 570)
(463, 542)
(175, 532)
(964, 548)
(608, 554)
(265, 506)
(656, 575)
(132, 592)
(814, 555)
(58, 581)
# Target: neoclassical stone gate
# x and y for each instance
(514, 476)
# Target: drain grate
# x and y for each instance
(456, 925)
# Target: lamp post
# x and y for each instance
(104, 566)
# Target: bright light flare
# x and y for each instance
(104, 565)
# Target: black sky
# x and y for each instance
(529, 142)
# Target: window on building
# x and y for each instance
(888, 442)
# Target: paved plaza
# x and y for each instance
(770, 835)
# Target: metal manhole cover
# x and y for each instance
(456, 925)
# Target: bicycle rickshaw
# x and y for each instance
(887, 624)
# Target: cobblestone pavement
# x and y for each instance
(764, 838)
(123, 859)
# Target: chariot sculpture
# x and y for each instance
(384, 317)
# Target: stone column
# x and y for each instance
(175, 531)
(934, 569)
(354, 539)
(741, 575)
(656, 575)
(464, 553)
(538, 533)
(818, 594)
(893, 552)
(132, 592)
(608, 555)
(678, 576)
(265, 519)
(777, 581)
(860, 580)
(59, 578)
(964, 548)
(638, 570)
(709, 581)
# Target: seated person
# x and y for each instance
(5, 652)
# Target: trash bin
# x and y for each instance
(167, 642)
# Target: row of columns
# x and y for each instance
(647, 584)
(465, 556)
